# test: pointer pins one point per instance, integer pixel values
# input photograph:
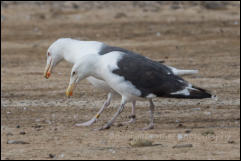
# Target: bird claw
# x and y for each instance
(104, 128)
(88, 123)
(129, 122)
(149, 127)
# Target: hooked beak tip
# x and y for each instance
(69, 91)
(47, 75)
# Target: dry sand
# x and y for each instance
(183, 35)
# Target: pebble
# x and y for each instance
(119, 125)
(236, 23)
(120, 15)
(2, 18)
(231, 142)
(183, 146)
(61, 156)
(213, 5)
(188, 131)
(140, 143)
(179, 136)
(174, 7)
(180, 125)
(207, 113)
(36, 126)
(52, 155)
(37, 120)
(9, 134)
(209, 132)
(196, 109)
(75, 6)
(16, 142)
(22, 133)
(112, 151)
(36, 29)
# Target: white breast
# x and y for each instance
(107, 64)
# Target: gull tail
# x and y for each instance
(182, 71)
(191, 92)
(199, 93)
(185, 72)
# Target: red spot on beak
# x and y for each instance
(48, 74)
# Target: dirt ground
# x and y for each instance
(189, 36)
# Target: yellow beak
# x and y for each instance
(47, 71)
(69, 91)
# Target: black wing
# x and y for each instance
(149, 76)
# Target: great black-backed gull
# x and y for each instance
(73, 50)
(134, 77)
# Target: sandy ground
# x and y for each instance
(36, 110)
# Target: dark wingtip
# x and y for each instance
(201, 93)
(161, 61)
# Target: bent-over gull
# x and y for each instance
(134, 77)
(73, 50)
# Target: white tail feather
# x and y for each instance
(186, 72)
(183, 72)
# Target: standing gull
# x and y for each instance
(134, 77)
(73, 50)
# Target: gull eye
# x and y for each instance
(73, 73)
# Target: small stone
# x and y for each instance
(196, 109)
(37, 126)
(182, 146)
(188, 131)
(75, 6)
(180, 125)
(179, 136)
(236, 22)
(174, 7)
(42, 16)
(214, 5)
(207, 113)
(120, 15)
(119, 125)
(52, 155)
(61, 156)
(140, 143)
(16, 142)
(231, 142)
(22, 133)
(9, 134)
(37, 120)
(2, 18)
(36, 29)
(112, 151)
(209, 132)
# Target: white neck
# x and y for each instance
(89, 66)
(73, 50)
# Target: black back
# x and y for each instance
(149, 76)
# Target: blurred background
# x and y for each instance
(203, 35)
